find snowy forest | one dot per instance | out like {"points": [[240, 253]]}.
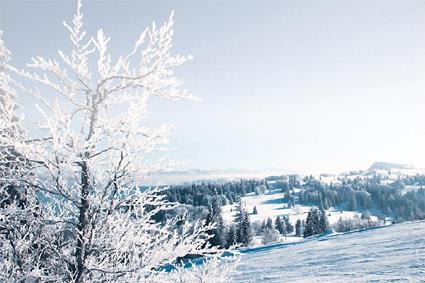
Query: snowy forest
{"points": [[388, 200]]}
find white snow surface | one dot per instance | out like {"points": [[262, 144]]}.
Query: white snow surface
{"points": [[271, 205], [393, 253]]}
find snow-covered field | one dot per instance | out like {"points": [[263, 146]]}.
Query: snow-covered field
{"points": [[268, 205], [271, 205], [391, 254]]}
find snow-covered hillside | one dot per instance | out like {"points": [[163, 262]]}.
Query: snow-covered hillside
{"points": [[390, 254], [272, 204]]}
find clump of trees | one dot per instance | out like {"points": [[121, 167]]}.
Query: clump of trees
{"points": [[355, 223], [367, 193], [203, 193], [239, 233], [316, 223]]}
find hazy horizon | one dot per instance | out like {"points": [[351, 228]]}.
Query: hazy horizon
{"points": [[308, 86]]}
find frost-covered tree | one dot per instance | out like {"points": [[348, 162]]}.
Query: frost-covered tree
{"points": [[355, 223], [10, 129], [21, 243], [87, 220], [270, 235]]}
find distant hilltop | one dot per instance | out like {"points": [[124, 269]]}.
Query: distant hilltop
{"points": [[388, 166]]}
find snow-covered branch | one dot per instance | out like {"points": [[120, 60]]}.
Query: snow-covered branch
{"points": [[75, 183]]}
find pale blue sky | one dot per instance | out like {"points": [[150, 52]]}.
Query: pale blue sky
{"points": [[302, 85]]}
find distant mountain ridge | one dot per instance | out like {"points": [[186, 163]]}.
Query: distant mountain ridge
{"points": [[175, 177], [380, 165]]}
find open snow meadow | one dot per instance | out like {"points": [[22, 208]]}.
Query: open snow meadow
{"points": [[393, 253], [271, 204]]}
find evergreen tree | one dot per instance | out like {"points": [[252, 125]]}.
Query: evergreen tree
{"points": [[312, 225], [214, 217], [298, 228], [254, 211], [263, 226], [246, 230], [317, 222], [289, 228], [269, 223], [231, 239], [309, 227], [243, 225], [323, 221], [280, 225]]}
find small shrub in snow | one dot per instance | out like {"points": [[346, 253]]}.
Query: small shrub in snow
{"points": [[270, 235]]}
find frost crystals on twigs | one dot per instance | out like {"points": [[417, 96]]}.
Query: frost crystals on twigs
{"points": [[70, 205]]}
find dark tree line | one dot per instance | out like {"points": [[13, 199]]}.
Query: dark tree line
{"points": [[363, 194], [202, 194]]}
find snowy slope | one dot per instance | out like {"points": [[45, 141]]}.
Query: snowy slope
{"points": [[391, 254], [272, 205]]}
